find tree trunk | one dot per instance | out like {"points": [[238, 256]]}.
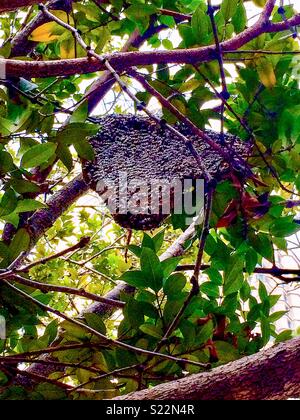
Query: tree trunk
{"points": [[273, 374]]}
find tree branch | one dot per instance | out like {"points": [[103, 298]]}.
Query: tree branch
{"points": [[279, 273], [20, 44], [45, 288], [10, 5], [273, 374], [43, 219], [125, 60]]}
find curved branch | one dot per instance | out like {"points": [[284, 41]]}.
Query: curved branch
{"points": [[125, 60], [45, 288]]}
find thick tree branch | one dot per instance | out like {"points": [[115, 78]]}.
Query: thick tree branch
{"points": [[125, 60], [273, 374], [9, 5]]}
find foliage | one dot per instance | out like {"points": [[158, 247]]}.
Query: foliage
{"points": [[41, 147]]}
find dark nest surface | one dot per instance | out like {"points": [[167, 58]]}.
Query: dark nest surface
{"points": [[143, 150]]}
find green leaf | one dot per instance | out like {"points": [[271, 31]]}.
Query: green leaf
{"points": [[200, 24], [265, 330], [6, 127], [168, 266], [138, 12], [8, 203], [148, 242], [84, 149], [275, 316], [104, 36], [133, 313], [29, 205], [172, 307], [38, 154], [214, 275], [187, 35], [76, 132], [168, 20], [50, 392], [263, 245], [4, 250], [239, 19], [228, 8], [245, 291], [191, 368], [64, 154], [233, 275], [51, 331], [284, 336], [273, 299], [151, 268], [284, 227], [154, 242], [158, 240], [6, 162], [262, 291], [251, 260], [226, 352], [229, 304], [174, 284], [135, 279], [205, 333], [254, 313], [210, 289], [3, 379], [136, 250], [163, 72], [22, 186], [95, 321], [13, 219], [152, 330], [210, 245], [19, 244], [80, 114]]}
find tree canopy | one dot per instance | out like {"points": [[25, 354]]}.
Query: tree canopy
{"points": [[95, 311]]}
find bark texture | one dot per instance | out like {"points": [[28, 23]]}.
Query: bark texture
{"points": [[273, 374]]}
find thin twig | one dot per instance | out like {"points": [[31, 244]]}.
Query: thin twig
{"points": [[11, 277], [80, 245]]}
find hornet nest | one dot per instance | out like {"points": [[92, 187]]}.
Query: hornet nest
{"points": [[138, 148]]}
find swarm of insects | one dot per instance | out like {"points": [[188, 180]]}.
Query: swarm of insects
{"points": [[131, 148]]}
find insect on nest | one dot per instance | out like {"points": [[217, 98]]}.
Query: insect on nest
{"points": [[133, 153]]}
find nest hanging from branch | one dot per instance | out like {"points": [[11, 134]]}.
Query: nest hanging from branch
{"points": [[137, 148]]}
